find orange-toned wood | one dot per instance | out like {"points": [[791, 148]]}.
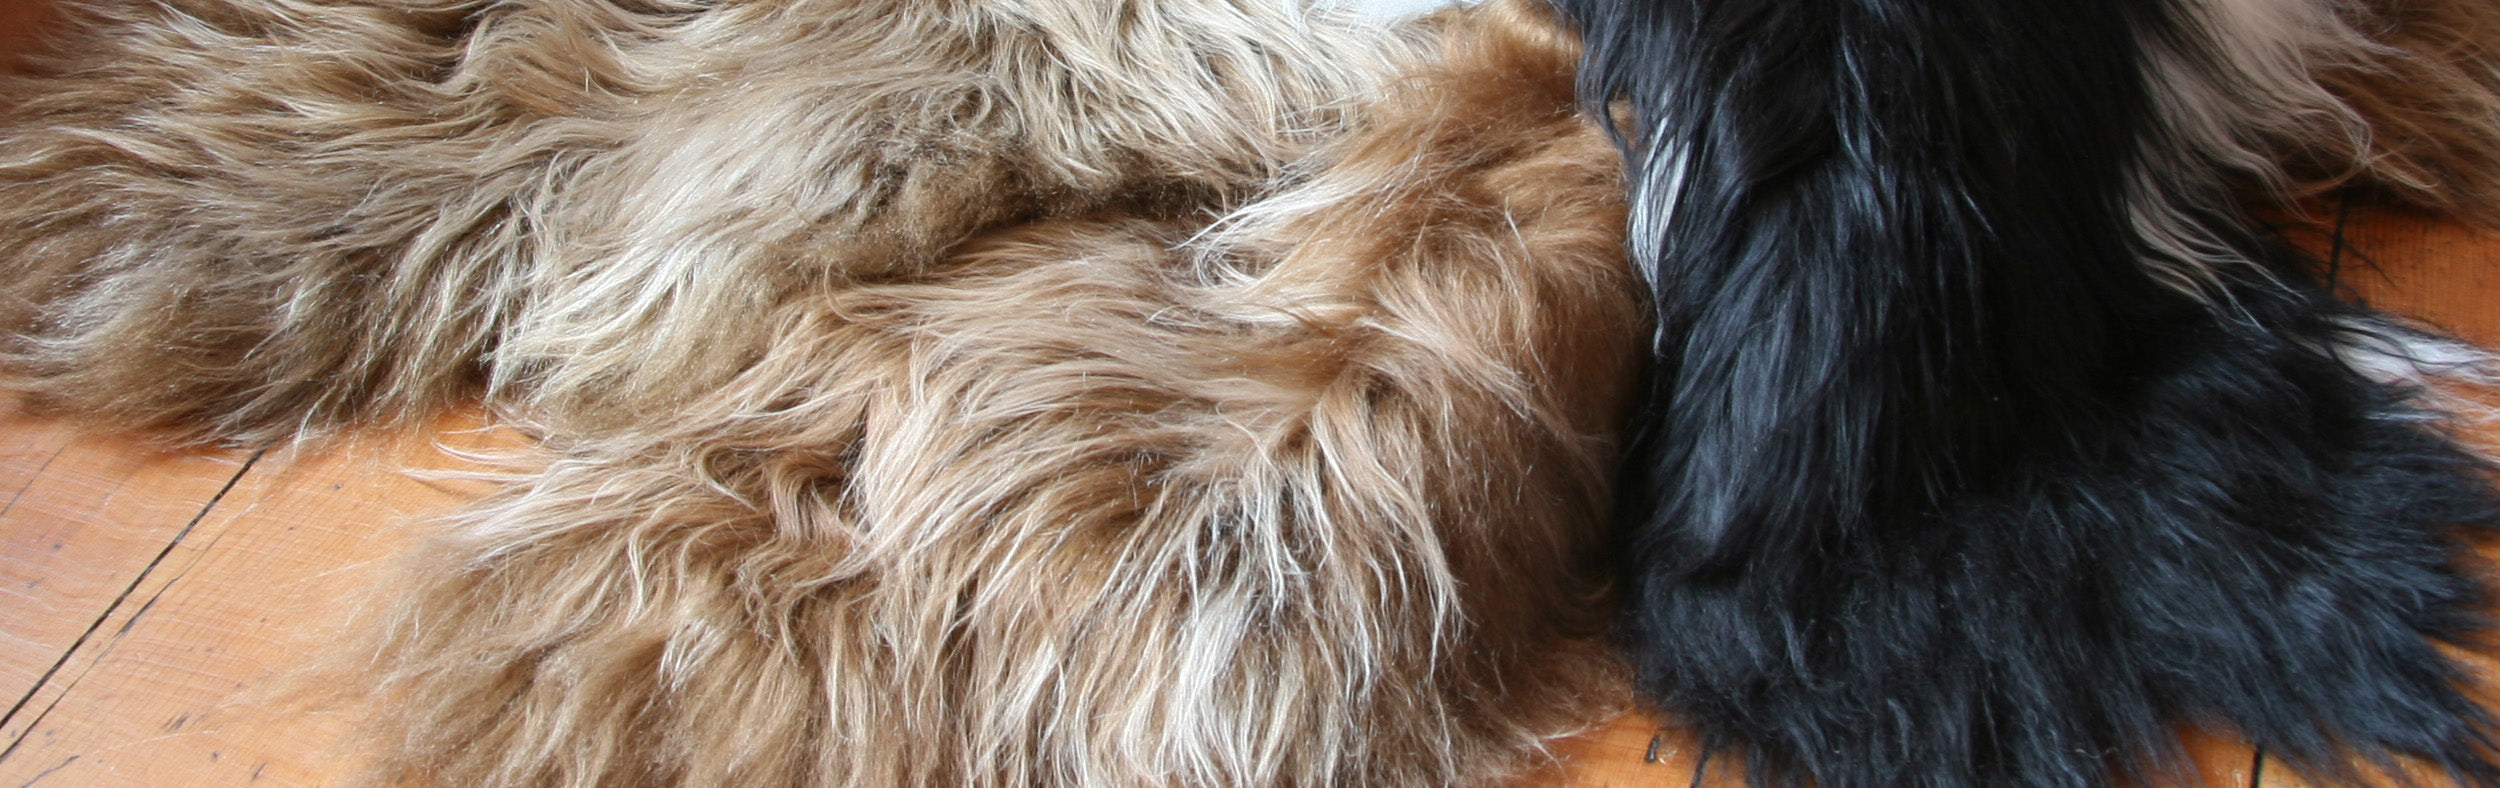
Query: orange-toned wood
{"points": [[2442, 272], [191, 682], [1634, 751], [189, 635], [84, 519], [153, 607], [1638, 751]]}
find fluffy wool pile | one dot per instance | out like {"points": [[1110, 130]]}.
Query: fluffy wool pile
{"points": [[1234, 393], [1196, 393], [1988, 444]]}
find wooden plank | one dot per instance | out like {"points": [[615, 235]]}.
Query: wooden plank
{"points": [[84, 518], [155, 697], [1638, 751], [2439, 271], [1635, 751], [192, 685]]}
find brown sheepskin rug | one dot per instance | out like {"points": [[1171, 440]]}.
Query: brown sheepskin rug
{"points": [[2423, 84], [1189, 393], [1306, 497], [1017, 393], [334, 214]]}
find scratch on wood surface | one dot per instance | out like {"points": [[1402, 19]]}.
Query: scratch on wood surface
{"points": [[30, 782], [76, 645], [30, 483]]}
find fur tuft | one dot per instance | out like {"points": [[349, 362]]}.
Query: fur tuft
{"points": [[247, 221], [2428, 89], [810, 147], [1315, 499], [1986, 446], [911, 416], [324, 215]]}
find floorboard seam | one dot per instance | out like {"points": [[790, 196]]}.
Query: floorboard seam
{"points": [[98, 623], [30, 480], [48, 772]]}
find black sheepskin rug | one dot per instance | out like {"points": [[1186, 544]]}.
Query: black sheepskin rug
{"points": [[1985, 447]]}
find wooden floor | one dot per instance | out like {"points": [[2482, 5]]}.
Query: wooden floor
{"points": [[156, 609], [154, 606]]}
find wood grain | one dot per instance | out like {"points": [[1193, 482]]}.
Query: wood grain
{"points": [[2443, 273], [194, 682], [84, 520], [184, 588], [155, 607]]}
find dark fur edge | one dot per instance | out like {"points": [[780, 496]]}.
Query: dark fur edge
{"points": [[1999, 511]]}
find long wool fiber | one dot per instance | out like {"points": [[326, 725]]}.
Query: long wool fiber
{"points": [[1987, 444], [1310, 500], [248, 220], [1093, 393], [922, 404]]}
